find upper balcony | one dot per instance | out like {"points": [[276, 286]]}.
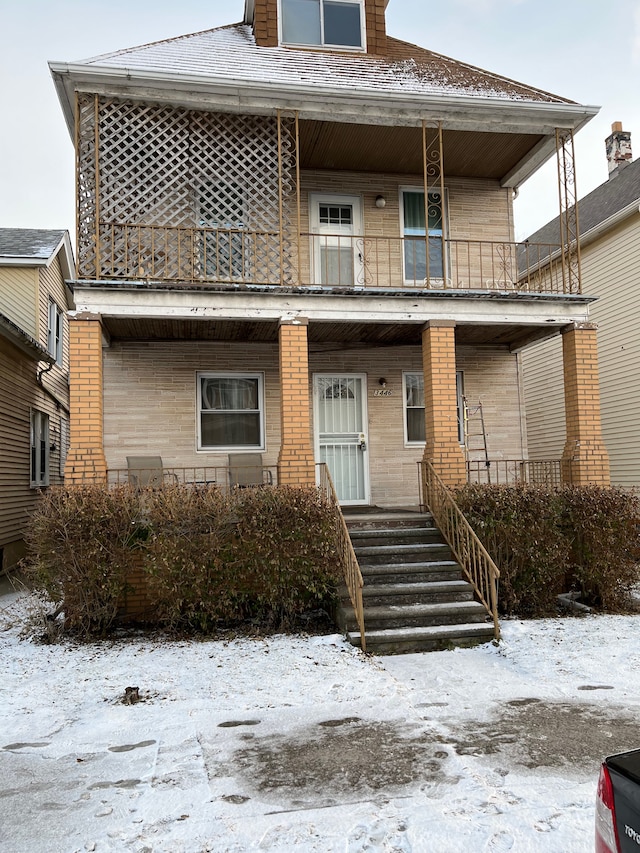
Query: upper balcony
{"points": [[184, 197]]}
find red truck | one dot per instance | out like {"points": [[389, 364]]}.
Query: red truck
{"points": [[618, 804]]}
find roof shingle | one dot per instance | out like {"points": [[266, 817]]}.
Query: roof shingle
{"points": [[29, 243], [231, 53]]}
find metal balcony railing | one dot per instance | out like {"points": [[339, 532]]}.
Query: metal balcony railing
{"points": [[241, 256], [534, 472]]}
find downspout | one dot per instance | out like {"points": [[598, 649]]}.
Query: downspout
{"points": [[49, 393]]}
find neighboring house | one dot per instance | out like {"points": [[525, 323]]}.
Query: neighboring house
{"points": [[295, 239], [34, 374], [610, 260]]}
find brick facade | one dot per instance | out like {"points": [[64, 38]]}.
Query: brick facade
{"points": [[376, 27], [442, 447], [85, 460], [296, 465], [585, 457]]}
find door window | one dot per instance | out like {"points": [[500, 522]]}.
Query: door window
{"points": [[337, 259]]}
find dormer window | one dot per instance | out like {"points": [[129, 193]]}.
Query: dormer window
{"points": [[325, 23]]}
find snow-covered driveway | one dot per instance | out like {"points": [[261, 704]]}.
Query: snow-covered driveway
{"points": [[305, 744]]}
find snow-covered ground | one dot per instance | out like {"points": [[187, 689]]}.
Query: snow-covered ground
{"points": [[286, 744]]}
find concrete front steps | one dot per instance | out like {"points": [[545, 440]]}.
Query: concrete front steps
{"points": [[415, 596]]}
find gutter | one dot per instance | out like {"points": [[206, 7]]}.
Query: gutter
{"points": [[25, 343], [246, 92]]}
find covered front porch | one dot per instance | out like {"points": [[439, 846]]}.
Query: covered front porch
{"points": [[371, 395]]}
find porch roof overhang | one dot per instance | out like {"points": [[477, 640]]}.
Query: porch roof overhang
{"points": [[507, 140], [143, 311]]}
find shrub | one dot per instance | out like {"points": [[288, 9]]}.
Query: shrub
{"points": [[602, 528], [208, 558], [80, 542], [546, 541]]}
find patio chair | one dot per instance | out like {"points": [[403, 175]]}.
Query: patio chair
{"points": [[246, 469], [145, 470]]}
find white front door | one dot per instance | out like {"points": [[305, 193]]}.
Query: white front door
{"points": [[337, 259], [341, 433]]}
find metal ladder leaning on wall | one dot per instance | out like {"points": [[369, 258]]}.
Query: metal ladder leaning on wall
{"points": [[475, 434]]}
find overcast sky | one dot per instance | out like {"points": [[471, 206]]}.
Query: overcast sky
{"points": [[585, 50]]}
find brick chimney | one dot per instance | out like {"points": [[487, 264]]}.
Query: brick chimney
{"points": [[618, 147]]}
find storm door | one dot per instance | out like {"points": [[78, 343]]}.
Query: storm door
{"points": [[341, 433]]}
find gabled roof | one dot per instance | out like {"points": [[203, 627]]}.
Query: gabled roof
{"points": [[601, 208], [231, 52], [36, 247]]}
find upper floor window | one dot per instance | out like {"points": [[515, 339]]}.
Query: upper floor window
{"points": [[54, 332], [417, 267], [226, 247], [326, 23]]}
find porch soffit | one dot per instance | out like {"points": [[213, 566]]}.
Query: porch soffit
{"points": [[377, 148], [322, 336]]}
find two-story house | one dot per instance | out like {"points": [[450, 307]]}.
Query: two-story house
{"points": [[34, 374], [295, 239]]}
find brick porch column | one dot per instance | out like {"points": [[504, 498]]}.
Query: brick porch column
{"points": [[296, 465], [585, 458], [85, 459], [442, 446]]}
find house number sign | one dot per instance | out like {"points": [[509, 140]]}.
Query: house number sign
{"points": [[383, 392]]}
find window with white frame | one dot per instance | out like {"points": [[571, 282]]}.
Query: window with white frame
{"points": [[230, 411], [413, 398], [221, 211], [39, 448], [325, 23], [54, 332], [413, 217]]}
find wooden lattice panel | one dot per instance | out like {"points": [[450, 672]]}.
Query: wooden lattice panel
{"points": [[86, 162], [184, 195]]}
